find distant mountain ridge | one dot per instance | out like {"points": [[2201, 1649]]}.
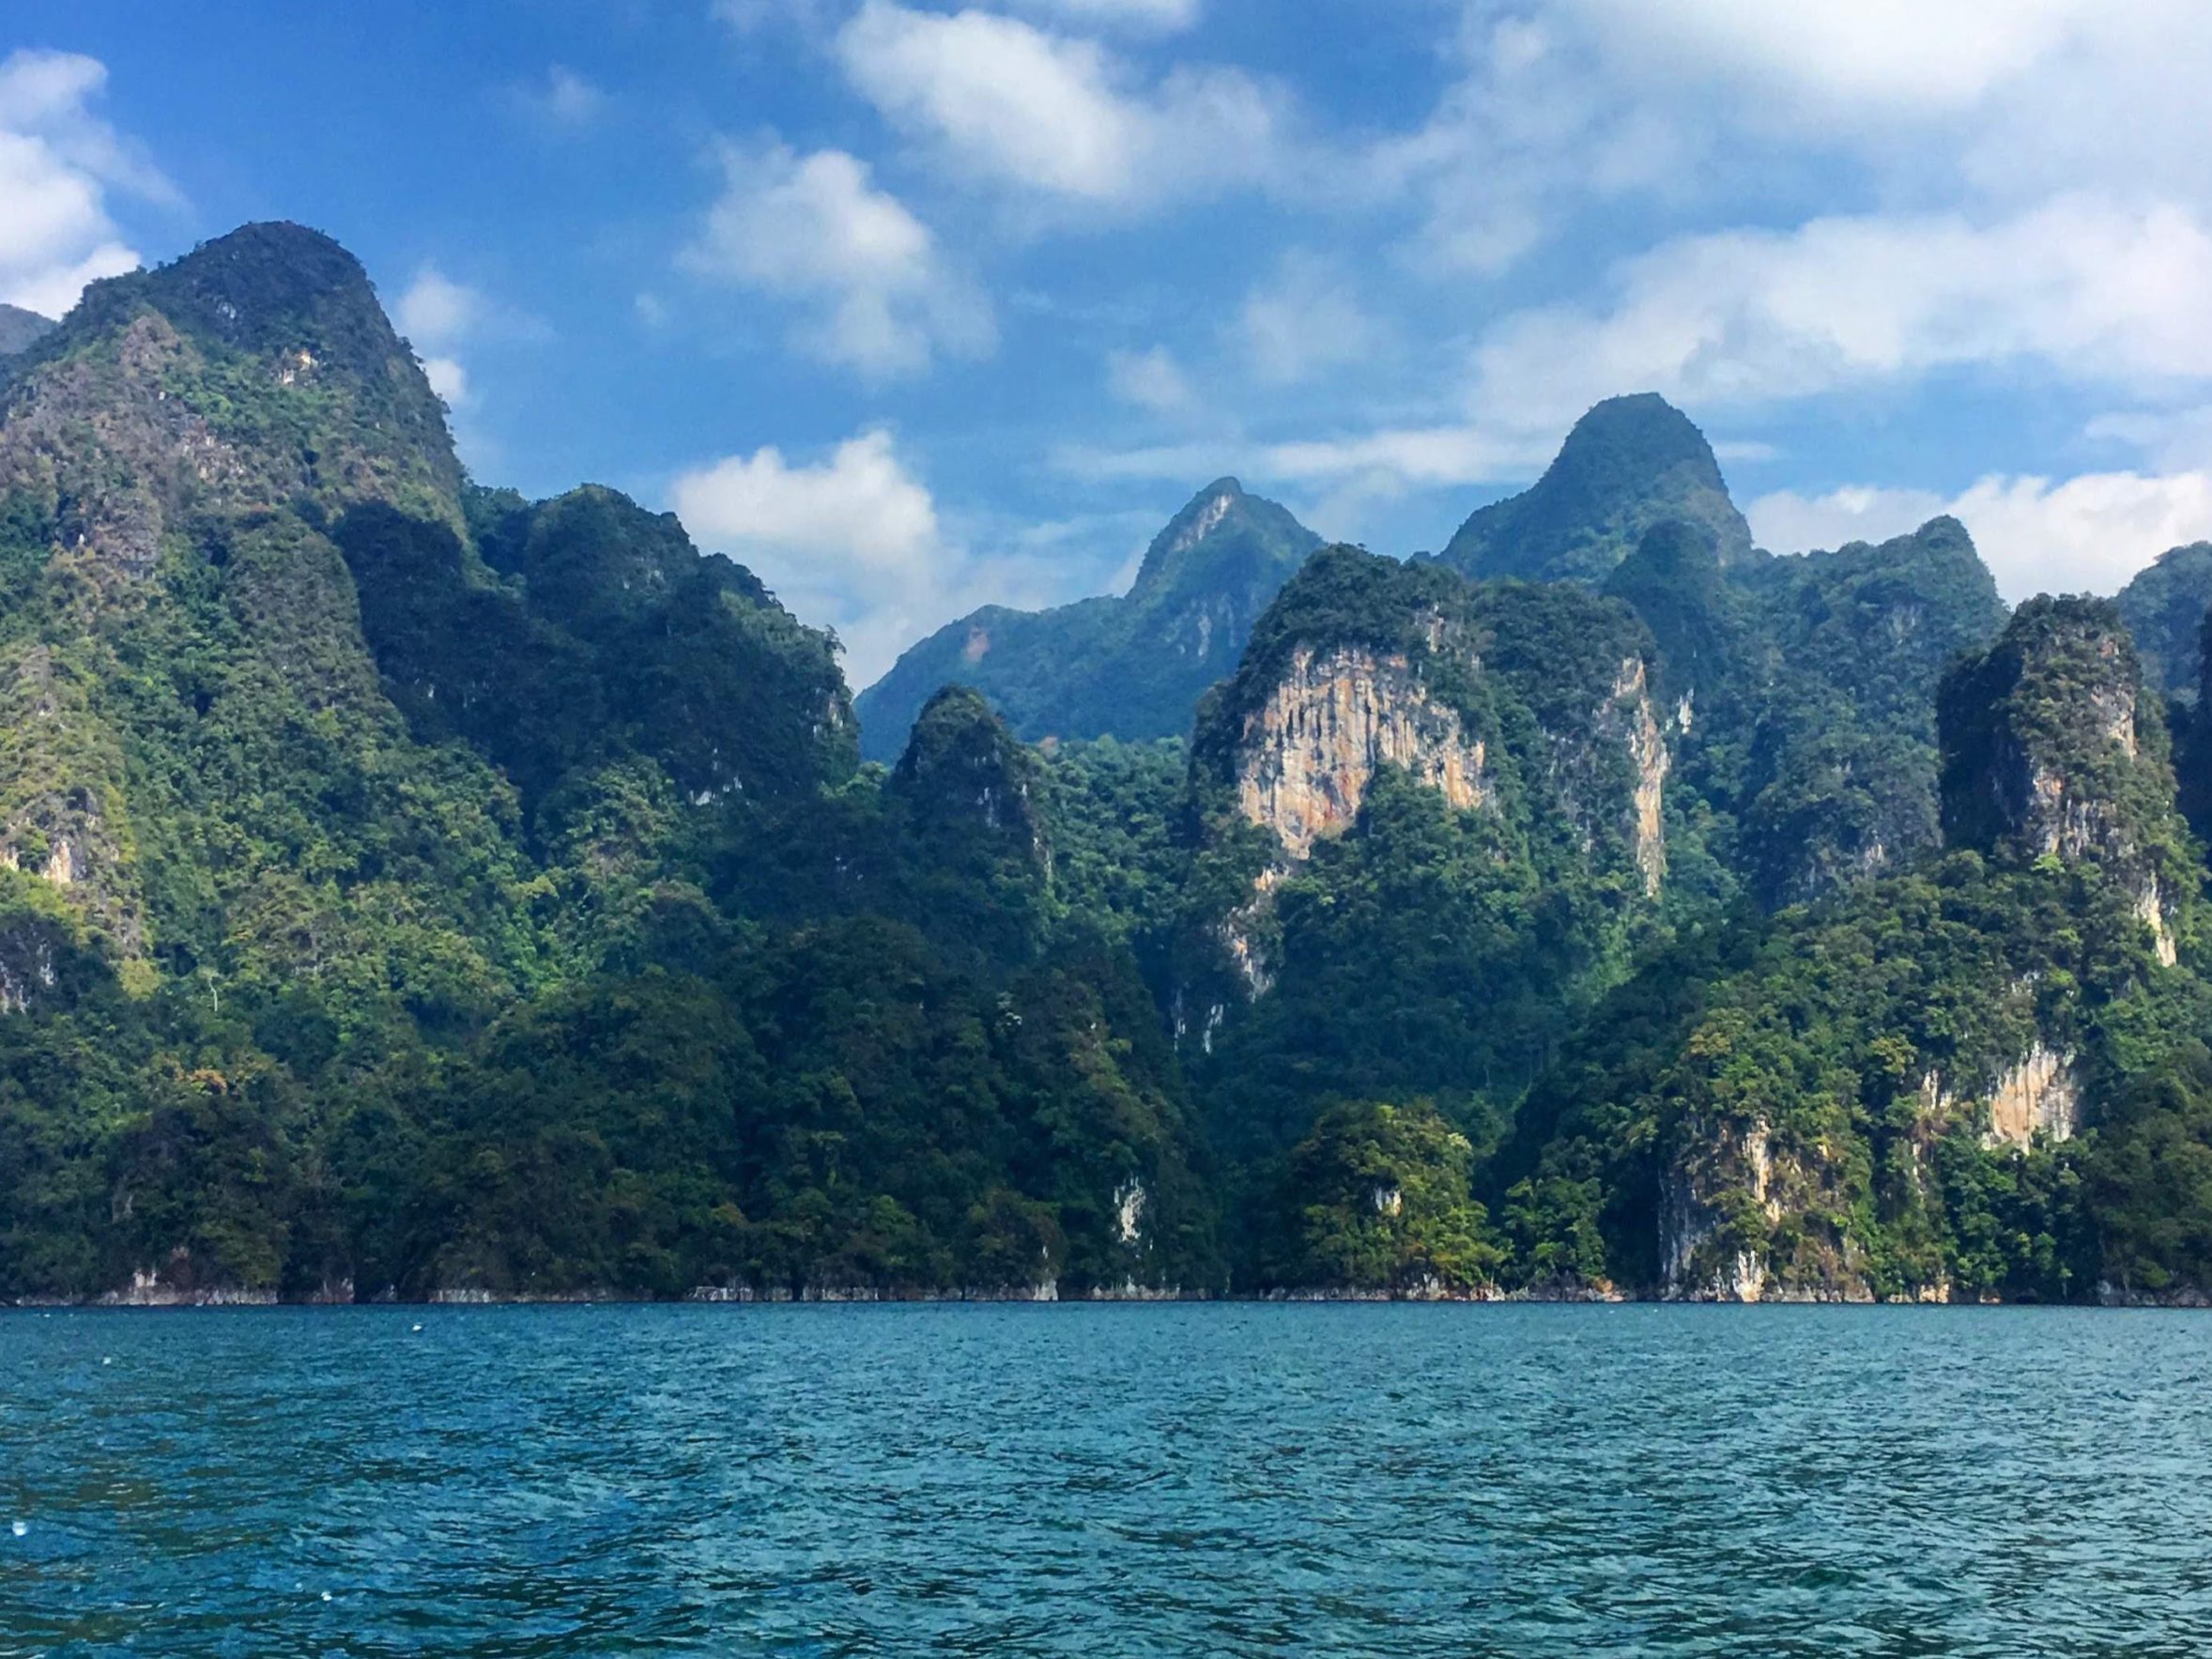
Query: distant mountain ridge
{"points": [[20, 329], [2164, 604], [1129, 667]]}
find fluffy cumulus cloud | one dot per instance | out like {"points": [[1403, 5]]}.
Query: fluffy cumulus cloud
{"points": [[562, 99], [59, 165], [1160, 15], [2084, 287], [1816, 59], [1005, 102], [852, 540], [1306, 321], [439, 316], [816, 229], [1150, 380], [2084, 534]]}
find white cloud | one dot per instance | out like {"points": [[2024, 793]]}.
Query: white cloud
{"points": [[1157, 15], [1530, 127], [447, 378], [1305, 322], [854, 540], [438, 315], [1820, 58], [436, 312], [1014, 105], [562, 98], [2084, 534], [815, 228], [58, 163], [1385, 462], [1149, 379], [2093, 290], [1988, 104]]}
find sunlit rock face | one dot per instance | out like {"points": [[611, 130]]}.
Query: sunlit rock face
{"points": [[2037, 1097], [1311, 749], [1530, 712], [2052, 750]]}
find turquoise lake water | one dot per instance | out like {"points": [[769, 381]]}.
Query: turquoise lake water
{"points": [[1106, 1480]]}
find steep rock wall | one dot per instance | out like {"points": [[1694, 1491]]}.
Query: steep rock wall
{"points": [[1311, 749]]}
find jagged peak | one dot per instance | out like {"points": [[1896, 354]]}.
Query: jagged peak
{"points": [[2049, 746], [961, 764], [1222, 506], [1943, 527]]}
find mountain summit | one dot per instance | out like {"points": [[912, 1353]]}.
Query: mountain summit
{"points": [[1629, 464], [1131, 667]]}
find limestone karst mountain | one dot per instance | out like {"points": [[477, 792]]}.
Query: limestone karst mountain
{"points": [[1941, 1084], [1129, 667], [406, 888], [1630, 464], [1415, 793], [409, 888]]}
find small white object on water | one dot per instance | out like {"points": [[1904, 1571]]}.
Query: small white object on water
{"points": [[326, 1595], [107, 1358], [418, 1328], [19, 1528]]}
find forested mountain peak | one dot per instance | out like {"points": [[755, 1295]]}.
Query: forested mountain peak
{"points": [[1128, 668], [406, 887], [1630, 462], [962, 770], [1220, 528]]}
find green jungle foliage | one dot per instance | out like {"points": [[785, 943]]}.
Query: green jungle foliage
{"points": [[408, 889], [1375, 1198], [2164, 605], [1629, 465]]}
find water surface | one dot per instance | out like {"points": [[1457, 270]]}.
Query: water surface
{"points": [[1105, 1480]]}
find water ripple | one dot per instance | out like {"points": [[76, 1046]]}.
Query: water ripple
{"points": [[514, 1483]]}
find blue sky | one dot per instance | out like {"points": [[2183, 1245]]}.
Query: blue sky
{"points": [[913, 307]]}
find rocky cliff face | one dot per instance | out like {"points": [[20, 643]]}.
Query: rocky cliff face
{"points": [[1309, 752], [2038, 1097], [1628, 721], [2052, 750], [1741, 1219]]}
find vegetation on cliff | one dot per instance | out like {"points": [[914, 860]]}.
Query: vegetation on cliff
{"points": [[406, 888]]}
